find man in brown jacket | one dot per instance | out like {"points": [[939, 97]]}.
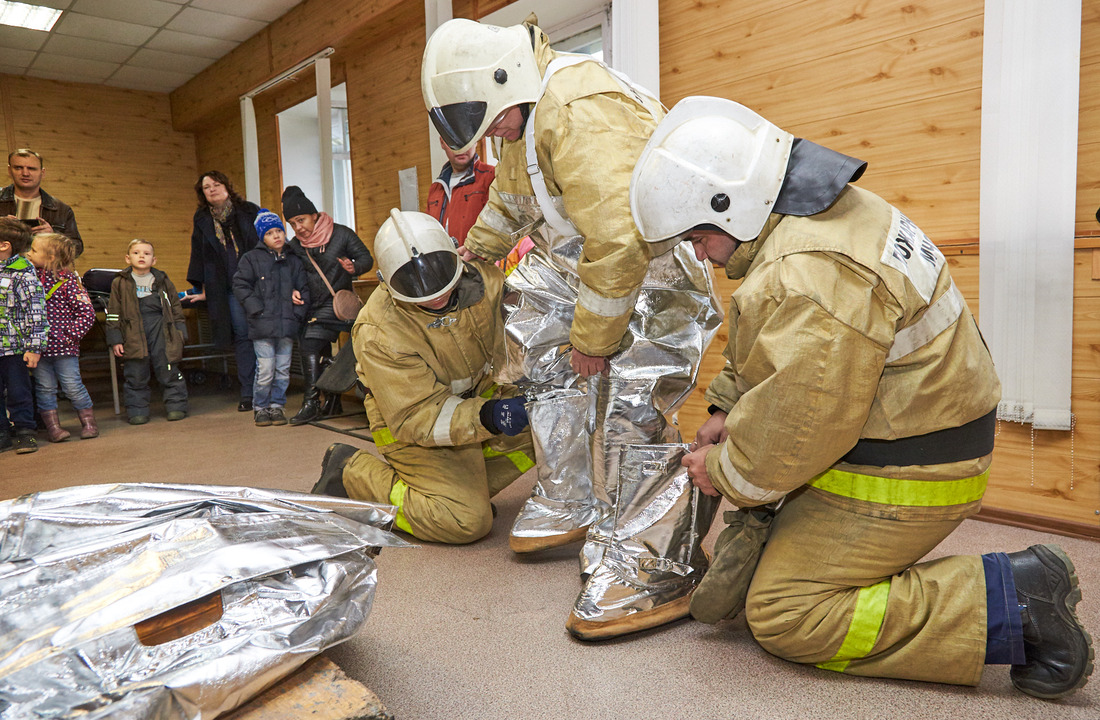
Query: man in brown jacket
{"points": [[858, 404], [25, 168]]}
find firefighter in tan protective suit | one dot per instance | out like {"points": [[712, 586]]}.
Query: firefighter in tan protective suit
{"points": [[604, 331], [858, 392], [425, 345]]}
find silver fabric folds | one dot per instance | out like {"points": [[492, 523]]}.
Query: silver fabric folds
{"points": [[676, 315], [80, 567], [651, 551]]}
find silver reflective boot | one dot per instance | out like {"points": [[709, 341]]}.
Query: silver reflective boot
{"points": [[621, 412], [562, 504], [652, 561]]}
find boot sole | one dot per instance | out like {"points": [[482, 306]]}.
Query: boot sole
{"points": [[589, 630], [524, 545], [1072, 598]]}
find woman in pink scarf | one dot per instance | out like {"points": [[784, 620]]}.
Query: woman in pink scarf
{"points": [[341, 256]]}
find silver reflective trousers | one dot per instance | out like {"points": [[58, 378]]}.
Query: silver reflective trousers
{"points": [[580, 428], [80, 567]]}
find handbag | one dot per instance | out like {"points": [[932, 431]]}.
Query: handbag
{"points": [[345, 303]]}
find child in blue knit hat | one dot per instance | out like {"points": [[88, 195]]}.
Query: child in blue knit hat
{"points": [[271, 286]]}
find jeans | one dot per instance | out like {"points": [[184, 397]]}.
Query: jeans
{"points": [[242, 347], [272, 372], [63, 369]]}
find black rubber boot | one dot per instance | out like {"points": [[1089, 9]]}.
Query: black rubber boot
{"points": [[311, 400], [331, 482], [1057, 650]]}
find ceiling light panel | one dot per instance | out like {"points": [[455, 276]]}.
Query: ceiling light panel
{"points": [[24, 15]]}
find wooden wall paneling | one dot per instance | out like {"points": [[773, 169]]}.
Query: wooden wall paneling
{"points": [[220, 146], [315, 24], [1047, 491], [113, 156], [941, 199], [937, 130], [220, 86], [736, 45], [389, 126]]}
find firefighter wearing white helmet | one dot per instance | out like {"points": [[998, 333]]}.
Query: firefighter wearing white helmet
{"points": [[581, 323], [425, 347], [857, 391]]}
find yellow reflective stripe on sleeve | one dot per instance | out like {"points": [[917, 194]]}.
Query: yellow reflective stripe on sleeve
{"points": [[397, 499], [863, 630], [382, 436], [489, 392], [520, 459], [894, 491]]}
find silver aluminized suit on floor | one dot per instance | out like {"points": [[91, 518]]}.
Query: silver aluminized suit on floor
{"points": [[848, 330], [592, 282]]}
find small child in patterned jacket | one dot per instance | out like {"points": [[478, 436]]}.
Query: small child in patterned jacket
{"points": [[23, 333], [71, 315]]}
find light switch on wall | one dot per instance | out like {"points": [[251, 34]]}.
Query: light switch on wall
{"points": [[410, 193]]}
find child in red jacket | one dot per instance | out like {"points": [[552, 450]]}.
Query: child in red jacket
{"points": [[70, 314]]}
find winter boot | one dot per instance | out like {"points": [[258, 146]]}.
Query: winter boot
{"points": [[331, 482], [652, 561], [25, 441], [311, 399], [88, 427], [562, 505], [54, 432], [1058, 651]]}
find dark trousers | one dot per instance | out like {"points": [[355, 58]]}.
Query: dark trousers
{"points": [[15, 394], [242, 347], [136, 372]]}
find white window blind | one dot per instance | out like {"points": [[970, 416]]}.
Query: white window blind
{"points": [[1030, 90]]}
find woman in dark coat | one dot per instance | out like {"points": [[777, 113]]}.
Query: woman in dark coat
{"points": [[223, 231], [342, 257]]}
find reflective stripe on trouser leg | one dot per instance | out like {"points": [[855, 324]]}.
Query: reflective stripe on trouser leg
{"points": [[864, 627], [653, 555], [397, 499], [820, 557], [441, 492]]}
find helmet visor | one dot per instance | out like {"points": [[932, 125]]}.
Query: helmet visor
{"points": [[458, 123], [425, 275]]}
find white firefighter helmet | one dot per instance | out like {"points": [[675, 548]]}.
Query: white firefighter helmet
{"points": [[710, 162], [416, 257], [473, 72]]}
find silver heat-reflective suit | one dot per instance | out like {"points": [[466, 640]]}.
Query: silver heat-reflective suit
{"points": [[607, 449]]}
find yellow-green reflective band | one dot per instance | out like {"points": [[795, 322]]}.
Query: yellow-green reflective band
{"points": [[382, 436], [489, 392], [863, 630], [893, 491], [518, 458], [397, 499]]}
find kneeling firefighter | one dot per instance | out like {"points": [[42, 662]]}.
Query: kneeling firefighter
{"points": [[426, 344], [604, 331], [857, 391]]}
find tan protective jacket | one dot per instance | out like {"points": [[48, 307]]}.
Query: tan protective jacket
{"points": [[589, 135], [847, 325], [428, 375]]}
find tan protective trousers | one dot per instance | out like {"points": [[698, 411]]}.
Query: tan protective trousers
{"points": [[839, 589], [442, 493]]}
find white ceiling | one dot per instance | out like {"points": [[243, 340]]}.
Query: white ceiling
{"points": [[154, 45]]}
